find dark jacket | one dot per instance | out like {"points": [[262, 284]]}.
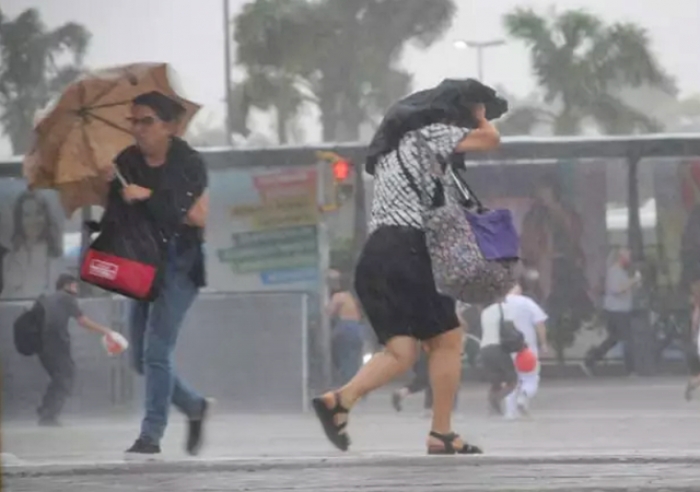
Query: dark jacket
{"points": [[449, 102], [150, 226]]}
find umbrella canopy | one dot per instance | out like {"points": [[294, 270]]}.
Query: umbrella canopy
{"points": [[450, 101], [76, 142]]}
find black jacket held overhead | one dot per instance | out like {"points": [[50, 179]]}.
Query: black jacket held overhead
{"points": [[143, 230], [449, 102]]}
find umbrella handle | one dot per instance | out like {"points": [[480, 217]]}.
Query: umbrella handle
{"points": [[120, 177]]}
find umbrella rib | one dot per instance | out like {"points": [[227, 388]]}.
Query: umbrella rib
{"points": [[87, 143], [105, 92], [107, 122], [109, 105]]}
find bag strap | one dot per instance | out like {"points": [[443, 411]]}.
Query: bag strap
{"points": [[448, 165], [502, 320], [413, 184], [463, 186]]}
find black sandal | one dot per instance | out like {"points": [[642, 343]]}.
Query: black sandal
{"points": [[448, 442], [334, 432]]}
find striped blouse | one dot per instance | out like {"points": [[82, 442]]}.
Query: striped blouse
{"points": [[395, 202]]}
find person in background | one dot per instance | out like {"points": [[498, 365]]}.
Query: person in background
{"points": [[620, 283], [55, 356], [693, 350], [551, 244], [528, 318], [35, 243], [166, 200], [497, 364], [348, 332], [690, 282]]}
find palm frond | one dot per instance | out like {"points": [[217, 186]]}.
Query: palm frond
{"points": [[629, 59], [532, 29], [576, 27], [72, 38], [617, 118]]}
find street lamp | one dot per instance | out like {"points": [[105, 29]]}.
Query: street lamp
{"points": [[479, 46], [227, 70]]}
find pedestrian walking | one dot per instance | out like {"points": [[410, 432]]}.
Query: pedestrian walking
{"points": [[620, 283], [55, 354], [529, 319], [160, 190], [395, 285]]}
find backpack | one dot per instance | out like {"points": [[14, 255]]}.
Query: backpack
{"points": [[512, 340], [28, 330]]}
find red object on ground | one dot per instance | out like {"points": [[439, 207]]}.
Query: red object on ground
{"points": [[526, 361]]}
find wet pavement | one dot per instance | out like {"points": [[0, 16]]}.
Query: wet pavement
{"points": [[594, 435]]}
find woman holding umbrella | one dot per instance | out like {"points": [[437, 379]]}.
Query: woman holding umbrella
{"points": [[154, 194], [166, 191]]}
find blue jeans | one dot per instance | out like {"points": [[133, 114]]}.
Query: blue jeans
{"points": [[154, 329], [347, 344]]}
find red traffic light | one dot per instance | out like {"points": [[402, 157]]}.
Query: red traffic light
{"points": [[341, 170]]}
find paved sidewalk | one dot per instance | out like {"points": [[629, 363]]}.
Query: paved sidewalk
{"points": [[622, 434], [387, 474]]}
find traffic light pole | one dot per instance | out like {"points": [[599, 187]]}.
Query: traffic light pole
{"points": [[324, 260]]}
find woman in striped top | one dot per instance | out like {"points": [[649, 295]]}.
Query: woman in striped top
{"points": [[395, 284]]}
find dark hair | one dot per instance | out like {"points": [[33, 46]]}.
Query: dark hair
{"points": [[64, 280], [50, 234], [165, 108]]}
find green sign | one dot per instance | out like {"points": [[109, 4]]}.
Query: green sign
{"points": [[276, 249]]}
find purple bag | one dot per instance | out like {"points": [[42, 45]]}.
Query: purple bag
{"points": [[495, 234], [472, 253]]}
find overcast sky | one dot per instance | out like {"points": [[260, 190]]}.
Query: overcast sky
{"points": [[189, 35]]}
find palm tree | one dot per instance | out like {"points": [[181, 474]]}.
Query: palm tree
{"points": [[267, 89], [269, 36], [31, 72], [582, 65], [341, 55]]}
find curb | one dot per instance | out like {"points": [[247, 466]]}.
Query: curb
{"points": [[364, 461]]}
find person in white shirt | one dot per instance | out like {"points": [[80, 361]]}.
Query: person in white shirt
{"points": [[528, 318], [496, 362], [517, 389]]}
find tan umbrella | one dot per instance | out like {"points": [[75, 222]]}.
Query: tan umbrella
{"points": [[76, 142]]}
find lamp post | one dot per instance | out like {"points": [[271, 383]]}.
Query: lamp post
{"points": [[227, 71], [479, 46]]}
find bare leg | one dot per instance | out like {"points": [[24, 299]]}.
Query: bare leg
{"points": [[398, 356], [444, 365]]}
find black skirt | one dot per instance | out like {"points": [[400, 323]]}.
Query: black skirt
{"points": [[394, 283]]}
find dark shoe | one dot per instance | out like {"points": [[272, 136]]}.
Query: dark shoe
{"points": [[448, 445], [335, 432], [195, 429], [143, 449]]}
